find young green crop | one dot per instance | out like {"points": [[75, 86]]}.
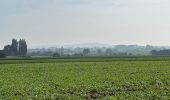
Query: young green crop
{"points": [[85, 79]]}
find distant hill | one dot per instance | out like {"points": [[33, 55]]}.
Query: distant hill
{"points": [[100, 45], [87, 45]]}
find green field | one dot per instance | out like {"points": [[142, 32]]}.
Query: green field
{"points": [[86, 78]]}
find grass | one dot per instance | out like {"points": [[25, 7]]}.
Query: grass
{"points": [[87, 78]]}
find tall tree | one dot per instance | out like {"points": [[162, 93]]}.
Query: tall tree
{"points": [[14, 47], [22, 47]]}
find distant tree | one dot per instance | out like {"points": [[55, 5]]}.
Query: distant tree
{"points": [[149, 47], [2, 54], [86, 51], [61, 51], [56, 55], [47, 53], [161, 52], [99, 51], [77, 55], [22, 47], [154, 52], [122, 54], [108, 51], [14, 47], [130, 54], [7, 50]]}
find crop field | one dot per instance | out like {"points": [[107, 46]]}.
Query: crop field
{"points": [[86, 78]]}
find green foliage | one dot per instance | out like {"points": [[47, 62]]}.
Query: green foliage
{"points": [[91, 78], [22, 47], [16, 48]]}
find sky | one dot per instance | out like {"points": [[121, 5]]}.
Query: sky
{"points": [[53, 22]]}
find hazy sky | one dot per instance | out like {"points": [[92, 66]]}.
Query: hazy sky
{"points": [[43, 22]]}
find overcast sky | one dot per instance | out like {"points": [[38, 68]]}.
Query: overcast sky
{"points": [[50, 22]]}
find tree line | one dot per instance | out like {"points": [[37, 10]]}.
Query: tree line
{"points": [[161, 52], [16, 48]]}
